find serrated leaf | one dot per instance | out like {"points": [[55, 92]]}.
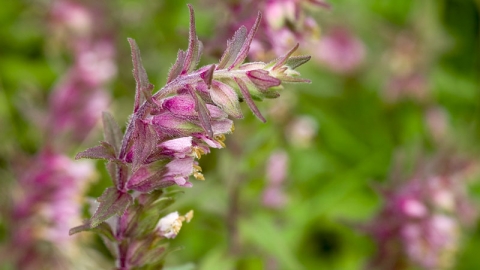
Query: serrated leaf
{"points": [[226, 98], [242, 54], [112, 202], [248, 99], [233, 48], [143, 87], [97, 152], [203, 112], [177, 68], [111, 132]]}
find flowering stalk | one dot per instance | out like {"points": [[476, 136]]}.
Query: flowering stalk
{"points": [[286, 22], [421, 222], [167, 132], [46, 198]]}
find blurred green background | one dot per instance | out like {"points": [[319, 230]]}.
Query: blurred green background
{"points": [[357, 126]]}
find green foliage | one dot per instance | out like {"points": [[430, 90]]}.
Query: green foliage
{"points": [[329, 182]]}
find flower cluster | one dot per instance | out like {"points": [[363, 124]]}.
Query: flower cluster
{"points": [[421, 222], [168, 132], [286, 22], [80, 95], [340, 51], [46, 200], [47, 206]]}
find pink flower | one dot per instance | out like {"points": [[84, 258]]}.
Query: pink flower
{"points": [[273, 195], [340, 51], [421, 222]]}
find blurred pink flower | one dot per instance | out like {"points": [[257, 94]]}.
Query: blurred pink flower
{"points": [[421, 222], [301, 131], [436, 120], [406, 63], [80, 95], [273, 195], [285, 23], [48, 203], [340, 51]]}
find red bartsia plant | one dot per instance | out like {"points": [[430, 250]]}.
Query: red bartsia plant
{"points": [[421, 222], [167, 132]]}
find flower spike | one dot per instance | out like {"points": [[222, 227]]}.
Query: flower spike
{"points": [[169, 131]]}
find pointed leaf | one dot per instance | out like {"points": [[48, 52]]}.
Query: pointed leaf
{"points": [[105, 230], [296, 61], [207, 76], [97, 152], [148, 251], [154, 254], [246, 45], [177, 68], [233, 48], [81, 228], [292, 79], [281, 61], [203, 113], [271, 94], [226, 98], [112, 202], [194, 46], [143, 86], [111, 131], [248, 98]]}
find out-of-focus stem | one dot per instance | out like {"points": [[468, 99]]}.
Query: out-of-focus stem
{"points": [[232, 218]]}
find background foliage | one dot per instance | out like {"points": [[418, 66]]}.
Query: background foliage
{"points": [[358, 129]]}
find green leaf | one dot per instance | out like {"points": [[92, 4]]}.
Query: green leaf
{"points": [[149, 251], [112, 202], [104, 151]]}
